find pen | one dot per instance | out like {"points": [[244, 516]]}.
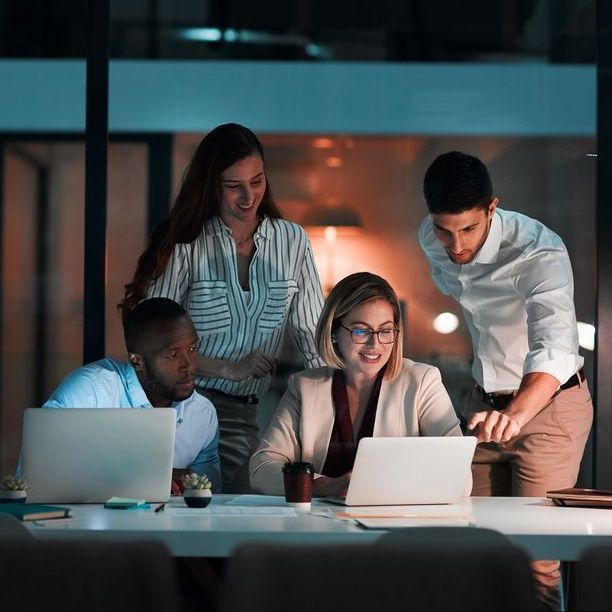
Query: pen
{"points": [[160, 508]]}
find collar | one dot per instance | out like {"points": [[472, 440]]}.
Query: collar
{"points": [[490, 249], [136, 393], [139, 398], [216, 227]]}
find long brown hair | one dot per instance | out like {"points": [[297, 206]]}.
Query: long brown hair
{"points": [[197, 202]]}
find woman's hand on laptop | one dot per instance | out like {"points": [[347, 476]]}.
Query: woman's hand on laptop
{"points": [[325, 486]]}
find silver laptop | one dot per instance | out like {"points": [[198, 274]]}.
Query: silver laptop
{"points": [[86, 455], [414, 470]]}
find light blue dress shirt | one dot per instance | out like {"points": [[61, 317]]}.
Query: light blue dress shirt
{"points": [[114, 384]]}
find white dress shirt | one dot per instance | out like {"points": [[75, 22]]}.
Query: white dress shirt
{"points": [[517, 297], [284, 292]]}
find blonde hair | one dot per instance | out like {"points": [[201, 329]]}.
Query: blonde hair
{"points": [[349, 293]]}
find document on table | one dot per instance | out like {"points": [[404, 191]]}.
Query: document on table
{"points": [[386, 523], [257, 500], [386, 517], [229, 511]]}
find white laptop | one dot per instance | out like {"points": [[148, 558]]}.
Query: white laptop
{"points": [[87, 455], [414, 470]]}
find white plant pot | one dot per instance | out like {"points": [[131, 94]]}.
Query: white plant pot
{"points": [[8, 497], [197, 498]]}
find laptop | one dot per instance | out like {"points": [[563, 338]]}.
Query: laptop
{"points": [[87, 455], [405, 471]]}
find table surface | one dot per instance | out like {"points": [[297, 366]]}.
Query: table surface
{"points": [[544, 530]]}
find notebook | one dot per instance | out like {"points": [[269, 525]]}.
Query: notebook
{"points": [[86, 455], [35, 512], [406, 471], [590, 498]]}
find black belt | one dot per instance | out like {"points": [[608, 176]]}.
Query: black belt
{"points": [[500, 401], [242, 399]]}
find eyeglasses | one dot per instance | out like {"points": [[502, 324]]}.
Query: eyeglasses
{"points": [[359, 335]]}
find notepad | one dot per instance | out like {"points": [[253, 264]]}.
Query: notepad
{"points": [[590, 498], [125, 503], [35, 512]]}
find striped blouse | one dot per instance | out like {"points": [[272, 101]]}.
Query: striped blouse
{"points": [[285, 290]]}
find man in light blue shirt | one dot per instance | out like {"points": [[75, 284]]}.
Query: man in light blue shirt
{"points": [[162, 347]]}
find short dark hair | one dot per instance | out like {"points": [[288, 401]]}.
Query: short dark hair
{"points": [[137, 322], [456, 182]]}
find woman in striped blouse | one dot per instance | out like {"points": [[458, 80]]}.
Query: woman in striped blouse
{"points": [[244, 275]]}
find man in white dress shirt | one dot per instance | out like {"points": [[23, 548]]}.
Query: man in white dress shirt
{"points": [[530, 406]]}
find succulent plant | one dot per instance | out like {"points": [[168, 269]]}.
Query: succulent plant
{"points": [[196, 482], [13, 483]]}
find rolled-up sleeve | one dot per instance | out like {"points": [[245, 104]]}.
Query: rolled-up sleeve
{"points": [[545, 281]]}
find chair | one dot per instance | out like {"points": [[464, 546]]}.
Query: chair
{"points": [[93, 575], [13, 528], [478, 569], [594, 587], [437, 570]]}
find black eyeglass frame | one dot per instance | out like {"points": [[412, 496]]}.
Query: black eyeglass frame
{"points": [[371, 333]]}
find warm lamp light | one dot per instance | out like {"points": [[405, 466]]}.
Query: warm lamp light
{"points": [[331, 218], [446, 323]]}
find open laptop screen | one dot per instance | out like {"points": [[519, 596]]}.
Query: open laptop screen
{"points": [[410, 470], [86, 455]]}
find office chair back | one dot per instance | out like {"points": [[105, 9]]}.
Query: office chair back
{"points": [[594, 587], [78, 575], [384, 576], [12, 528]]}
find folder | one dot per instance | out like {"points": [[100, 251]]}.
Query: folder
{"points": [[589, 498]]}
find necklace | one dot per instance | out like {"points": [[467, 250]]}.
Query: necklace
{"points": [[239, 242]]}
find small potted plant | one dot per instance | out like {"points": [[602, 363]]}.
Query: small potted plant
{"points": [[197, 493], [12, 490]]}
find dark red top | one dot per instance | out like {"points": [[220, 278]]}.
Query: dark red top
{"points": [[342, 445]]}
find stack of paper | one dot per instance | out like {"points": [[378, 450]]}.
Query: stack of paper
{"points": [[125, 503]]}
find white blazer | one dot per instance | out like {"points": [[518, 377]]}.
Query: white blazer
{"points": [[415, 403]]}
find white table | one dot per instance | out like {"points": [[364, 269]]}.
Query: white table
{"points": [[544, 530]]}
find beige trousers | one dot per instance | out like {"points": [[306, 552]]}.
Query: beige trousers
{"points": [[544, 455]]}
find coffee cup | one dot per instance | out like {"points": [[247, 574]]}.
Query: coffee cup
{"points": [[298, 476]]}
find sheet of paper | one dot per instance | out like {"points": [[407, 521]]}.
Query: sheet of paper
{"points": [[385, 523], [413, 513], [226, 510], [257, 500]]}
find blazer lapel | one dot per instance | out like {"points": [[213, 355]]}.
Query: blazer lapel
{"points": [[321, 405]]}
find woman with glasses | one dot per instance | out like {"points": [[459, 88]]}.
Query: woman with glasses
{"points": [[367, 389]]}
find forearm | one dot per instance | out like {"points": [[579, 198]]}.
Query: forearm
{"points": [[534, 393], [325, 485], [502, 425], [215, 368]]}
